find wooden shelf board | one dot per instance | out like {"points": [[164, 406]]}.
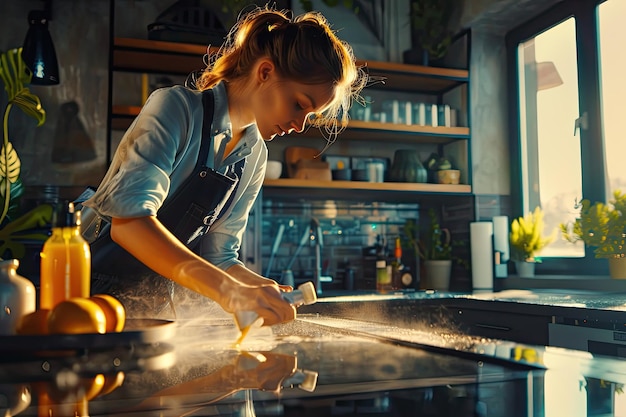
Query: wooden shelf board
{"points": [[160, 46], [288, 183], [378, 128], [416, 78]]}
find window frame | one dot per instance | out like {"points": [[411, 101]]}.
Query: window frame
{"points": [[591, 139]]}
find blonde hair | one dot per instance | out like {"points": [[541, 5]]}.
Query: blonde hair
{"points": [[304, 49]]}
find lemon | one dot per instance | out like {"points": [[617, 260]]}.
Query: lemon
{"points": [[35, 323], [113, 311], [76, 316]]}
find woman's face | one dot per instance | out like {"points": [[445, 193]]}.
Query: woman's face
{"points": [[282, 106]]}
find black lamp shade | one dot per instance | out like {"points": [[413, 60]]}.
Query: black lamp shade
{"points": [[38, 51]]}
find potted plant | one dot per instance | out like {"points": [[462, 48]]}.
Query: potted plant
{"points": [[603, 227], [430, 35], [434, 248], [527, 240], [16, 228]]}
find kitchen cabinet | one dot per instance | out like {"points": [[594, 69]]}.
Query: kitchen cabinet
{"points": [[158, 57]]}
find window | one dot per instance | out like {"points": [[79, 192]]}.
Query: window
{"points": [[569, 103], [611, 15], [548, 86]]}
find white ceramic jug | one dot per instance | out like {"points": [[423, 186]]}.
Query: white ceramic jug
{"points": [[17, 297]]}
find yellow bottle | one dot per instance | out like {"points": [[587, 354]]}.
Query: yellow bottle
{"points": [[65, 260]]}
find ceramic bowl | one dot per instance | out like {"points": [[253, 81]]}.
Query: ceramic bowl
{"points": [[360, 175], [342, 174], [448, 176], [274, 170]]}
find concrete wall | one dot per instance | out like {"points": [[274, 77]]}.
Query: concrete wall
{"points": [[79, 30]]}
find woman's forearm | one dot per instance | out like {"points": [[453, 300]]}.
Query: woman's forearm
{"points": [[151, 243]]}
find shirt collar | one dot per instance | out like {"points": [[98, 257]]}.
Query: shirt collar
{"points": [[221, 129]]}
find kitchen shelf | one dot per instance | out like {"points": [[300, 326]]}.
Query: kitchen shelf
{"points": [[122, 116], [161, 57], [139, 55], [370, 191]]}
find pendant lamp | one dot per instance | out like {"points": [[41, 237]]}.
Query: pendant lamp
{"points": [[38, 50]]}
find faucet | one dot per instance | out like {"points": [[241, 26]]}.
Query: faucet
{"points": [[317, 238], [311, 234]]}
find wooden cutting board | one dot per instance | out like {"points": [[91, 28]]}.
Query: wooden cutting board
{"points": [[305, 163]]}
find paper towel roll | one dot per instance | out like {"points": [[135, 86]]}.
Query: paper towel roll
{"points": [[481, 240], [501, 237]]}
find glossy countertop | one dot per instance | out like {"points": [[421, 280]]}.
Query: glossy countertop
{"points": [[317, 365], [592, 305], [596, 300]]}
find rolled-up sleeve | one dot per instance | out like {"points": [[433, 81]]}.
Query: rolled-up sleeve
{"points": [[140, 177]]}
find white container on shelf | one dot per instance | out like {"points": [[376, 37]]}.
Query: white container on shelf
{"points": [[273, 170]]}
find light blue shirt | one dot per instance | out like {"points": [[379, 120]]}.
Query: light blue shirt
{"points": [[158, 153]]}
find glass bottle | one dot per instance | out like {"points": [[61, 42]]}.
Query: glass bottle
{"points": [[383, 277], [65, 259], [397, 268]]}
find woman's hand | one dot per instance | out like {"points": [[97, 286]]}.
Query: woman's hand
{"points": [[264, 296]]}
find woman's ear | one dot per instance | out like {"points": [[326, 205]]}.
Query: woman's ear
{"points": [[264, 70]]}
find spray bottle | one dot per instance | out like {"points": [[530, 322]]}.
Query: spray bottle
{"points": [[305, 294]]}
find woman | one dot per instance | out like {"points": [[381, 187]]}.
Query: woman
{"points": [[273, 75]]}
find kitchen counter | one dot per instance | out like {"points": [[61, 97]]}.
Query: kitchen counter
{"points": [[317, 366], [596, 300], [583, 320], [364, 354]]}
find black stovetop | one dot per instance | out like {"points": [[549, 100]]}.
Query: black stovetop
{"points": [[319, 366]]}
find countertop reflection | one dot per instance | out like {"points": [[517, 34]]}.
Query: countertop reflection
{"points": [[318, 366]]}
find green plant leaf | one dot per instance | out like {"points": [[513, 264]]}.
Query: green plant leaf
{"points": [[600, 225], [31, 226], [31, 105], [9, 166], [16, 76]]}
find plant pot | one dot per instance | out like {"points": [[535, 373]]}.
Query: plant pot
{"points": [[437, 275], [525, 269], [415, 56], [617, 268]]}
